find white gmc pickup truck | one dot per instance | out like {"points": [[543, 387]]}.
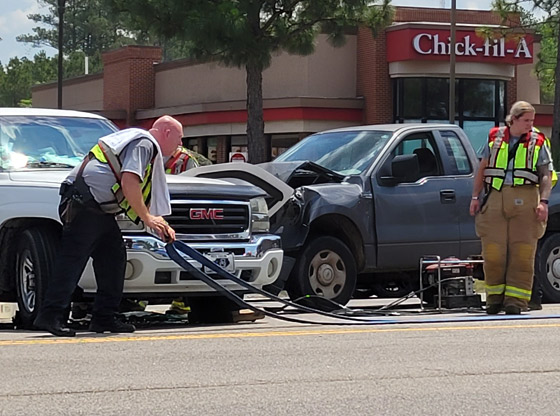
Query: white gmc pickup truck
{"points": [[228, 222]]}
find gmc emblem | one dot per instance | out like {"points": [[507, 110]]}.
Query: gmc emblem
{"points": [[206, 214]]}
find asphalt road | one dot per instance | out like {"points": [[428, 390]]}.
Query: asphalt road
{"points": [[444, 366]]}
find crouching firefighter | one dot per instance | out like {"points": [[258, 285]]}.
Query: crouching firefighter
{"points": [[515, 170], [124, 172]]}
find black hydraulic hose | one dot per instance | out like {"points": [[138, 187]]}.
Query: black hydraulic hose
{"points": [[194, 254], [173, 252]]}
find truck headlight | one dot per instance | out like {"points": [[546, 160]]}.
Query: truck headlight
{"points": [[125, 223], [259, 215]]}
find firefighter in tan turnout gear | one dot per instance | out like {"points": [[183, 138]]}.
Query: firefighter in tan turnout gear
{"points": [[515, 173]]}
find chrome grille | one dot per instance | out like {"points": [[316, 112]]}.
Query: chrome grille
{"points": [[209, 220]]}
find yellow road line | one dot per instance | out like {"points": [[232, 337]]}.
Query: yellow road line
{"points": [[294, 333]]}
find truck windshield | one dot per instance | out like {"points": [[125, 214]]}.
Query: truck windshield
{"points": [[344, 152], [44, 141]]}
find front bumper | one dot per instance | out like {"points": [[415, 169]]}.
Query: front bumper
{"points": [[150, 270]]}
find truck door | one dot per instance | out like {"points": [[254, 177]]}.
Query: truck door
{"points": [[420, 216], [460, 163]]}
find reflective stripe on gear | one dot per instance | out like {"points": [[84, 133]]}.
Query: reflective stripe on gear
{"points": [[495, 289], [146, 194], [105, 156], [519, 293], [524, 174]]}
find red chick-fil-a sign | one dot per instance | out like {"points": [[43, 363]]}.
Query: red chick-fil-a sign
{"points": [[434, 44]]}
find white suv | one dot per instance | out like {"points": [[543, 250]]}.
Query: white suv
{"points": [[226, 221]]}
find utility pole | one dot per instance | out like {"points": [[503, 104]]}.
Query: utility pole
{"points": [[452, 64], [61, 6]]}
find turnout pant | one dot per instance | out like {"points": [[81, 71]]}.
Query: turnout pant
{"points": [[509, 231], [94, 234]]}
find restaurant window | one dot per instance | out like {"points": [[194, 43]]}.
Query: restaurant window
{"points": [[239, 144], [479, 103], [212, 146]]}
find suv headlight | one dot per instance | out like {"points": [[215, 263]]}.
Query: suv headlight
{"points": [[259, 215]]}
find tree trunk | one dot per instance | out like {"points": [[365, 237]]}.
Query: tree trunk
{"points": [[555, 139], [255, 122]]}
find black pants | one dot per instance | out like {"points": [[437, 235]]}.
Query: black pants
{"points": [[94, 234]]}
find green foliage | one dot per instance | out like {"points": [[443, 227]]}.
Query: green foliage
{"points": [[247, 33], [43, 68], [74, 64], [543, 19], [547, 60], [16, 81], [241, 33], [546, 23], [88, 27], [91, 28], [244, 31], [19, 75]]}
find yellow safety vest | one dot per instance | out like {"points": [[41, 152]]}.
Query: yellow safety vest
{"points": [[117, 189], [524, 161]]}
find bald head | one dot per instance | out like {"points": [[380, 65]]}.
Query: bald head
{"points": [[168, 132]]}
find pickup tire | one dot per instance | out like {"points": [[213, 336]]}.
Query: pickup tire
{"points": [[547, 267], [324, 276], [34, 262]]}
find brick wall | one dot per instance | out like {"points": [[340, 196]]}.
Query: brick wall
{"points": [[129, 79], [482, 17], [222, 149], [511, 92], [373, 81]]}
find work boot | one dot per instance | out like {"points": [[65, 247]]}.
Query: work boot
{"points": [[115, 326], [55, 327], [493, 309], [512, 310]]}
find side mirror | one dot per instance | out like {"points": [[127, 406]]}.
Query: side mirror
{"points": [[404, 168]]}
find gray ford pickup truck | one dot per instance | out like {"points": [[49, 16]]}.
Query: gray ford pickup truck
{"points": [[361, 205]]}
